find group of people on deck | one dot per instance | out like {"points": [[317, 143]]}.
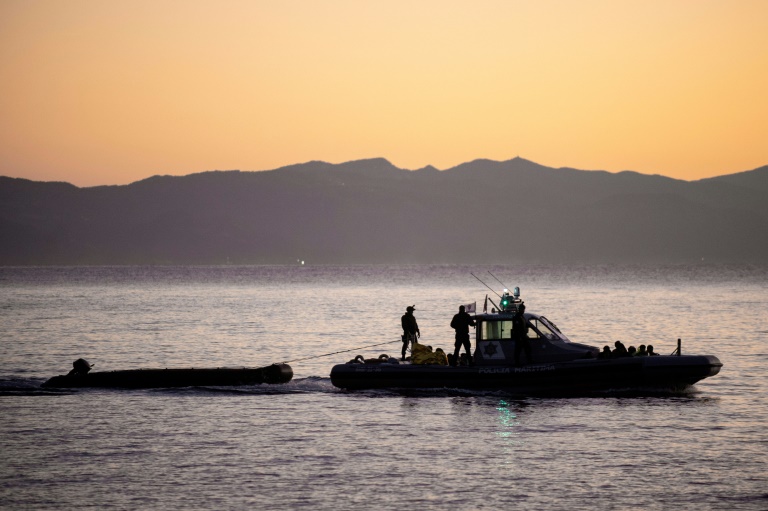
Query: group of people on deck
{"points": [[463, 320], [461, 323], [620, 351]]}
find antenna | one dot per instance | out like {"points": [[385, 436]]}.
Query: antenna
{"points": [[486, 285], [497, 280]]}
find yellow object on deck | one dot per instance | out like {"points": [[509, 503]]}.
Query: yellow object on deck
{"points": [[422, 354]]}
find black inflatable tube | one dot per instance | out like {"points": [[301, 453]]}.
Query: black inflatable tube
{"points": [[162, 378]]}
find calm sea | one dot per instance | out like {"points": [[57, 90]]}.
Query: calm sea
{"points": [[309, 445]]}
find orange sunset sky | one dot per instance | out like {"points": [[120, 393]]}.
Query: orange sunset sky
{"points": [[109, 92]]}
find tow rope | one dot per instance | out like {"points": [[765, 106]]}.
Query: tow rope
{"points": [[342, 351]]}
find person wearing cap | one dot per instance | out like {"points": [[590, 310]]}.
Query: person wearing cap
{"points": [[410, 328], [461, 323]]}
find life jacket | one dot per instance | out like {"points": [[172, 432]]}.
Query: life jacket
{"points": [[421, 354]]}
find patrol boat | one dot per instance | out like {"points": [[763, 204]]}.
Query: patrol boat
{"points": [[560, 366]]}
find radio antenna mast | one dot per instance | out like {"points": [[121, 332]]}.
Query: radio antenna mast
{"points": [[486, 285], [497, 280]]}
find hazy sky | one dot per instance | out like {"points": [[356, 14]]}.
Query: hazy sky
{"points": [[110, 92]]}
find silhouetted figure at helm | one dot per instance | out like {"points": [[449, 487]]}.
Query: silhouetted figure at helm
{"points": [[520, 335]]}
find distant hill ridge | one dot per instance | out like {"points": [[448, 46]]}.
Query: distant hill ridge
{"points": [[370, 211]]}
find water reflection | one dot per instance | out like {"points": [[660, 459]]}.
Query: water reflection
{"points": [[508, 425]]}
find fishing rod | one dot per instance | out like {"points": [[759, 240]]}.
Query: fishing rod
{"points": [[486, 285]]}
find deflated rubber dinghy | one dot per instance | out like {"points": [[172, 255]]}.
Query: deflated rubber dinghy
{"points": [[81, 376]]}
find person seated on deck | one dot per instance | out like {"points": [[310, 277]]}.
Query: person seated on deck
{"points": [[423, 354], [620, 351], [631, 351], [606, 353], [641, 352], [650, 351], [80, 367]]}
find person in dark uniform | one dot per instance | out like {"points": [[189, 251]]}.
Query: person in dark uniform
{"points": [[410, 327], [461, 323], [520, 335]]}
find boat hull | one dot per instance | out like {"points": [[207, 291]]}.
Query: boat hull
{"points": [[577, 376], [163, 378]]}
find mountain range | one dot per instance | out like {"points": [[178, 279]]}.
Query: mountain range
{"points": [[370, 211]]}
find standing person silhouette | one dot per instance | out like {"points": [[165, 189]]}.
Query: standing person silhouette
{"points": [[520, 335], [410, 328], [461, 323]]}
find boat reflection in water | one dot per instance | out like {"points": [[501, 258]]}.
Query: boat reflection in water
{"points": [[559, 367]]}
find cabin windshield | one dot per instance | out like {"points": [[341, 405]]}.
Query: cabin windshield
{"points": [[551, 325], [540, 329]]}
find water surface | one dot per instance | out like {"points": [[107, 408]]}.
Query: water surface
{"points": [[309, 445]]}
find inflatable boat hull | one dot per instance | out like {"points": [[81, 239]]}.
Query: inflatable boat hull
{"points": [[577, 376], [159, 378]]}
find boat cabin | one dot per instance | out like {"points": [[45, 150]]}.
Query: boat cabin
{"points": [[495, 344]]}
